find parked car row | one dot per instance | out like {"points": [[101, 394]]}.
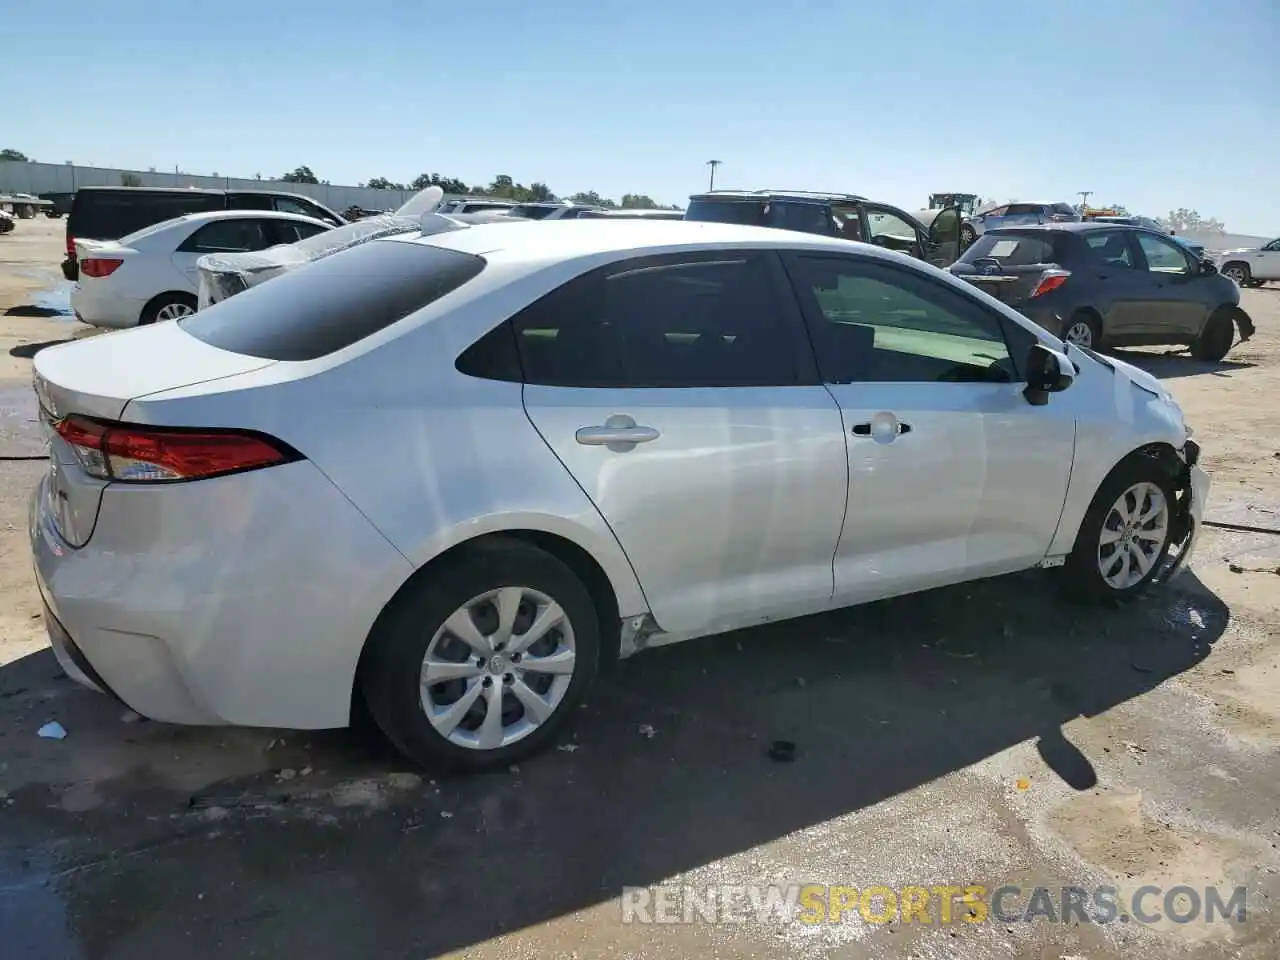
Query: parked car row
{"points": [[686, 429]]}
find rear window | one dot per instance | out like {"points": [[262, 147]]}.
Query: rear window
{"points": [[103, 215], [333, 302], [533, 211], [743, 212], [1012, 249], [1065, 209]]}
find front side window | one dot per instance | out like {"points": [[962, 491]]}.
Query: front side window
{"points": [[889, 229], [227, 236], [996, 212], [803, 217], [303, 208], [1112, 247], [1163, 256], [290, 231], [660, 322], [1273, 246], [874, 323]]}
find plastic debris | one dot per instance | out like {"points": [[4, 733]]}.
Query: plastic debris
{"points": [[1022, 783], [446, 814], [646, 730], [286, 774], [567, 747], [52, 730]]}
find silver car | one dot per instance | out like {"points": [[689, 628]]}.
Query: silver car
{"points": [[450, 474]]}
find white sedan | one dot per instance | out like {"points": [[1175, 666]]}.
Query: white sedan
{"points": [[448, 473], [151, 275]]}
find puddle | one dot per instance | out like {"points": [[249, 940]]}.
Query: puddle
{"points": [[54, 302]]}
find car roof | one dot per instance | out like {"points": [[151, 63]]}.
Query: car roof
{"points": [[770, 194], [570, 239], [1075, 226], [211, 191], [205, 215]]}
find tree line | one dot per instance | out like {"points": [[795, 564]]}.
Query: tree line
{"points": [[503, 187]]}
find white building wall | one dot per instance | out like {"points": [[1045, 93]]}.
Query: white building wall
{"points": [[37, 178]]}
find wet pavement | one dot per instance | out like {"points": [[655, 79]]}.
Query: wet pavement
{"points": [[976, 734]]}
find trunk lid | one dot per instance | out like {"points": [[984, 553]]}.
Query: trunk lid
{"points": [[98, 377], [1009, 264], [1012, 285]]}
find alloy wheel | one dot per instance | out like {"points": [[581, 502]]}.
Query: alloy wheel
{"points": [[1236, 274], [1133, 536], [173, 311], [498, 668], [1079, 333]]}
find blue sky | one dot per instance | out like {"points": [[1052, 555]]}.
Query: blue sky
{"points": [[1151, 103]]}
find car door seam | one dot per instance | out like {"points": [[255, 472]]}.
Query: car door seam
{"points": [[1066, 493], [524, 407], [848, 483]]}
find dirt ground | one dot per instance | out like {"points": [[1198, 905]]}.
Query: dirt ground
{"points": [[986, 734]]}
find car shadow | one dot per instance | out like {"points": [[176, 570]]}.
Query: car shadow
{"points": [[28, 350], [667, 769], [1173, 363]]}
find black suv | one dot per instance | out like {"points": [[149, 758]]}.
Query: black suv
{"points": [[835, 215], [109, 213], [1105, 284]]}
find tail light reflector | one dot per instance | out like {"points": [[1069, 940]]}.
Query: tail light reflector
{"points": [[71, 245], [99, 266], [135, 453], [1051, 281]]}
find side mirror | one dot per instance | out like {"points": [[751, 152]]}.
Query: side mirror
{"points": [[1048, 371], [1208, 266]]}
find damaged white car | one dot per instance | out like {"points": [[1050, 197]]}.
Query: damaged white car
{"points": [[446, 473]]}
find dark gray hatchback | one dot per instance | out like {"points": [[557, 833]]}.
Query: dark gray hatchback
{"points": [[1102, 284]]}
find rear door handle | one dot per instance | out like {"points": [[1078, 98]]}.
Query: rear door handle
{"points": [[889, 429], [619, 432]]}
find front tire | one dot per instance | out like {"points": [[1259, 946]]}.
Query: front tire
{"points": [[483, 662], [967, 236], [1216, 337], [1124, 539], [1238, 272]]}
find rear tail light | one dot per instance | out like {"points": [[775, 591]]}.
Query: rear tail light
{"points": [[99, 266], [1051, 281], [71, 245], [135, 453]]}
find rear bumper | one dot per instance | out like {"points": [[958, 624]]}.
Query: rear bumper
{"points": [[219, 602], [99, 309]]}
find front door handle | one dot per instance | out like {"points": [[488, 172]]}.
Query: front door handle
{"points": [[619, 433]]}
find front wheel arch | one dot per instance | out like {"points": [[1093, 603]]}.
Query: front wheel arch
{"points": [[148, 314]]}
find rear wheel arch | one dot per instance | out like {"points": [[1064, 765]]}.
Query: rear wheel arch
{"points": [[572, 555], [156, 303]]}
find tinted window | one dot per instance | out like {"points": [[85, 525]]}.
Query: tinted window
{"points": [[662, 322], [1025, 208], [533, 211], [804, 217], [290, 231], [334, 301], [1064, 209], [228, 236], [874, 323], [1163, 256], [1013, 249], [110, 215], [996, 212], [1274, 245], [1112, 246], [251, 201], [748, 212]]}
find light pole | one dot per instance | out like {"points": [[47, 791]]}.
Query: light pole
{"points": [[713, 164], [1084, 200]]}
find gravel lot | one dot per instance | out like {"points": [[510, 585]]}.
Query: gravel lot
{"points": [[986, 734]]}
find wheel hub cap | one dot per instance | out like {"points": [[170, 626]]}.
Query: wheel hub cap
{"points": [[1134, 535]]}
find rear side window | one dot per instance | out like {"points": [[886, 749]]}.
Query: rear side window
{"points": [[660, 322], [1064, 209], [1013, 250], [102, 215], [742, 212], [335, 301]]}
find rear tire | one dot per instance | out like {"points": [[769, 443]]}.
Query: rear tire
{"points": [[421, 635], [967, 236], [1083, 329], [1216, 337], [168, 306], [1123, 540]]}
